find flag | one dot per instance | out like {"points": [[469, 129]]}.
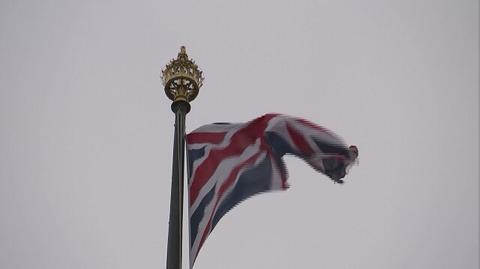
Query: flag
{"points": [[228, 163]]}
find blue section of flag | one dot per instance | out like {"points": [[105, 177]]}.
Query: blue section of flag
{"points": [[331, 148], [198, 215], [279, 145], [193, 155], [251, 182]]}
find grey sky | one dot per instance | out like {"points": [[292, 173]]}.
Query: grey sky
{"points": [[86, 130]]}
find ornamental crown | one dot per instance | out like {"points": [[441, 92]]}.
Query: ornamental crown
{"points": [[182, 78]]}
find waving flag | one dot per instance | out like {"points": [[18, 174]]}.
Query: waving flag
{"points": [[231, 162]]}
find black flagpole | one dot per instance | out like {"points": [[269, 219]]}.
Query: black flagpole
{"points": [[174, 253], [182, 80]]}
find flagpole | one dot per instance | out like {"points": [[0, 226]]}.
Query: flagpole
{"points": [[182, 80]]}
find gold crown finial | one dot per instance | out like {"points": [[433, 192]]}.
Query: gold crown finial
{"points": [[182, 78]]}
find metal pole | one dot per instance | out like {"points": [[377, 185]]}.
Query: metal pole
{"points": [[174, 251], [182, 80]]}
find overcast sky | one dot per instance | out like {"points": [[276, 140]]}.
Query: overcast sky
{"points": [[86, 130]]}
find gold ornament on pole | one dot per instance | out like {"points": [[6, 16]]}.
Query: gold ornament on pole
{"points": [[182, 78]]}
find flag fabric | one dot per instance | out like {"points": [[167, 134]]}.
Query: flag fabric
{"points": [[228, 163]]}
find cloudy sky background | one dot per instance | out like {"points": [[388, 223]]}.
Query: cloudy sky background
{"points": [[86, 130]]}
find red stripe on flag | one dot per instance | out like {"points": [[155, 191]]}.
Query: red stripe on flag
{"points": [[238, 143], [299, 141], [213, 138]]}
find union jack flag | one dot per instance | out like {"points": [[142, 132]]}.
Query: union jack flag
{"points": [[228, 163]]}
